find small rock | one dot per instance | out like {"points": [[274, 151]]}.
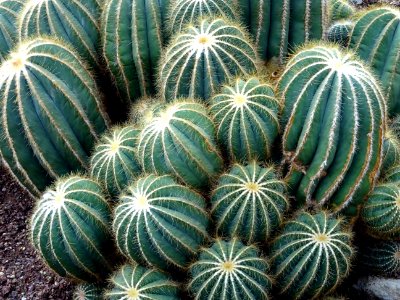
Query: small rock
{"points": [[379, 288]]}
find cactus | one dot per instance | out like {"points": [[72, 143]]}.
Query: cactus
{"points": [[52, 101], [230, 270], [246, 114], [311, 256], [132, 42], [250, 202], [159, 222], [391, 150], [180, 140], [340, 9], [392, 175], [142, 111], [9, 10], [381, 212], [114, 162], [88, 291], [376, 39], [76, 22], [382, 257], [204, 56], [134, 282], [340, 32], [70, 229], [334, 157]]}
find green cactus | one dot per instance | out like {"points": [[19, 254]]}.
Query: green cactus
{"points": [[311, 256], [340, 32], [9, 10], [382, 257], [204, 56], [180, 140], [52, 102], [376, 39], [132, 33], [250, 202], [76, 22], [88, 291], [391, 150], [392, 175], [142, 111], [133, 282], [160, 223], [340, 9], [381, 212], [246, 114], [70, 229], [334, 117], [229, 270], [114, 161]]}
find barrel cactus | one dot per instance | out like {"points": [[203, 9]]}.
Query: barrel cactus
{"points": [[340, 32], [70, 229], [376, 39], [132, 32], [160, 222], [9, 10], [114, 161], [392, 175], [246, 114], [180, 140], [204, 56], [134, 282], [249, 201], [340, 9], [391, 150], [381, 212], [142, 111], [76, 22], [311, 256], [88, 291], [52, 101], [382, 257], [230, 270], [334, 157]]}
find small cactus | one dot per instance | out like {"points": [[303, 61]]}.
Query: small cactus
{"points": [[391, 150], [340, 32], [88, 291], [229, 270], [311, 256], [246, 114], [70, 229], [134, 282], [9, 10], [340, 9], [392, 175], [250, 202], [382, 257], [160, 223]]}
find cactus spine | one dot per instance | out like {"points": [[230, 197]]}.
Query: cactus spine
{"points": [[160, 223], [247, 118], [382, 257], [230, 270], [335, 156], [9, 10], [52, 101], [340, 9], [204, 56], [250, 202], [340, 32], [88, 291], [76, 22], [70, 229], [132, 42], [311, 256]]}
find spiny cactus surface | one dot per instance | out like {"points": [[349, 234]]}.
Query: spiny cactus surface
{"points": [[382, 257], [340, 9], [391, 150], [88, 291], [340, 32], [9, 10], [392, 175]]}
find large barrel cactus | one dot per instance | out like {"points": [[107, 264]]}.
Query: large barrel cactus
{"points": [[204, 56], [180, 140], [334, 118], [76, 22], [382, 257], [230, 270], [70, 229], [132, 32], [9, 10], [311, 256], [50, 99], [160, 223], [376, 39]]}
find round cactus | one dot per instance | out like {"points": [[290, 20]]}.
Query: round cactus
{"points": [[334, 157], [392, 175], [340, 33], [132, 42], [391, 150], [381, 212], [376, 39], [204, 56], [250, 202], [341, 9], [88, 291], [382, 257], [160, 222], [70, 229], [9, 10], [311, 256], [180, 140], [114, 161], [230, 270], [76, 22], [142, 111], [52, 101], [247, 118]]}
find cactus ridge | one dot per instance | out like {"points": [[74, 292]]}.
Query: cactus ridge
{"points": [[392, 175], [383, 257], [9, 10], [391, 150], [88, 291]]}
